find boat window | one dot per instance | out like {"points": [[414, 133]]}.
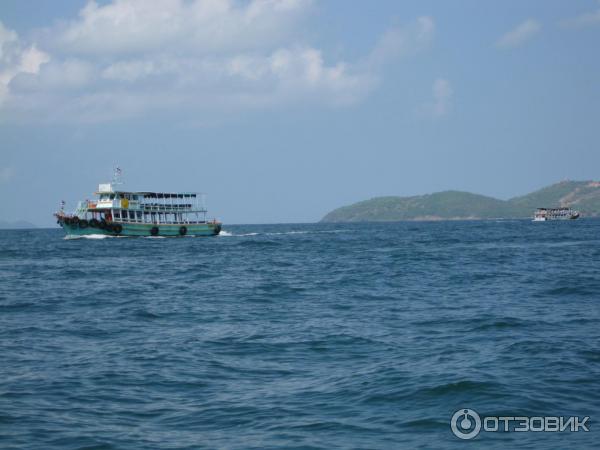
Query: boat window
{"points": [[112, 196]]}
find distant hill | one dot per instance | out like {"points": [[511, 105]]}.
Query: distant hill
{"points": [[18, 224], [583, 196]]}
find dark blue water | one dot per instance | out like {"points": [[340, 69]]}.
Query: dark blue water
{"points": [[299, 336]]}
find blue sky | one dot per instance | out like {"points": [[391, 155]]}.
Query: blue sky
{"points": [[284, 110]]}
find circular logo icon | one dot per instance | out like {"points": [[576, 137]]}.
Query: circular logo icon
{"points": [[465, 423]]}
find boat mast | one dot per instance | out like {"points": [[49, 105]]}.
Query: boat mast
{"points": [[117, 172]]}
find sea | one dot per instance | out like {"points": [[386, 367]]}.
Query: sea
{"points": [[303, 336]]}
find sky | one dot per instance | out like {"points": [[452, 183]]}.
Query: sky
{"points": [[284, 110]]}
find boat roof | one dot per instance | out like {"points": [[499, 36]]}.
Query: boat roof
{"points": [[149, 194], [555, 209]]}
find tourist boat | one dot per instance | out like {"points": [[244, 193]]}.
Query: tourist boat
{"points": [[124, 213], [544, 214]]}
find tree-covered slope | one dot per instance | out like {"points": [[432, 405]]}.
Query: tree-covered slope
{"points": [[581, 195], [440, 205]]}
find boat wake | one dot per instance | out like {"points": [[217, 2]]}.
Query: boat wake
{"points": [[229, 234], [283, 233], [69, 237]]}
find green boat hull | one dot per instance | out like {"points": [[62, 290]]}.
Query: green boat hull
{"points": [[144, 229]]}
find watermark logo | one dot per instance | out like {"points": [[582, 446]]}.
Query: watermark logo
{"points": [[467, 423]]}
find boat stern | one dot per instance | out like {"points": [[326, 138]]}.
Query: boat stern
{"points": [[217, 227]]}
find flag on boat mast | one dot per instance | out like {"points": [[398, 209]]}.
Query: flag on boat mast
{"points": [[117, 176]]}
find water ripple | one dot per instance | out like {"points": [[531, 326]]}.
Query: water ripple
{"points": [[298, 336]]}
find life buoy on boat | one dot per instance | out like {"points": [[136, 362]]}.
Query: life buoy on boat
{"points": [[102, 224], [75, 219], [83, 223], [117, 228], [94, 223], [154, 231], [183, 230]]}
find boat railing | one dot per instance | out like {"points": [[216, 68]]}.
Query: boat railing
{"points": [[161, 222], [149, 207], [178, 207]]}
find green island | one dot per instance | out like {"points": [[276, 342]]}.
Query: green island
{"points": [[584, 196]]}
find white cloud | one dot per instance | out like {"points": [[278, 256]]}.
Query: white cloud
{"points": [[522, 33], [441, 102], [132, 57], [131, 70], [15, 59], [198, 26], [400, 41], [6, 38], [67, 74], [583, 20]]}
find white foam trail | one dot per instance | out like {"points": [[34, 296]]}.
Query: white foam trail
{"points": [[222, 233], [282, 233], [87, 236], [305, 232], [227, 233], [289, 232]]}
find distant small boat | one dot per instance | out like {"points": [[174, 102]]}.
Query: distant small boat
{"points": [[544, 214], [127, 213]]}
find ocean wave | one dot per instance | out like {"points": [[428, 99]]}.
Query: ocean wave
{"points": [[280, 334]]}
